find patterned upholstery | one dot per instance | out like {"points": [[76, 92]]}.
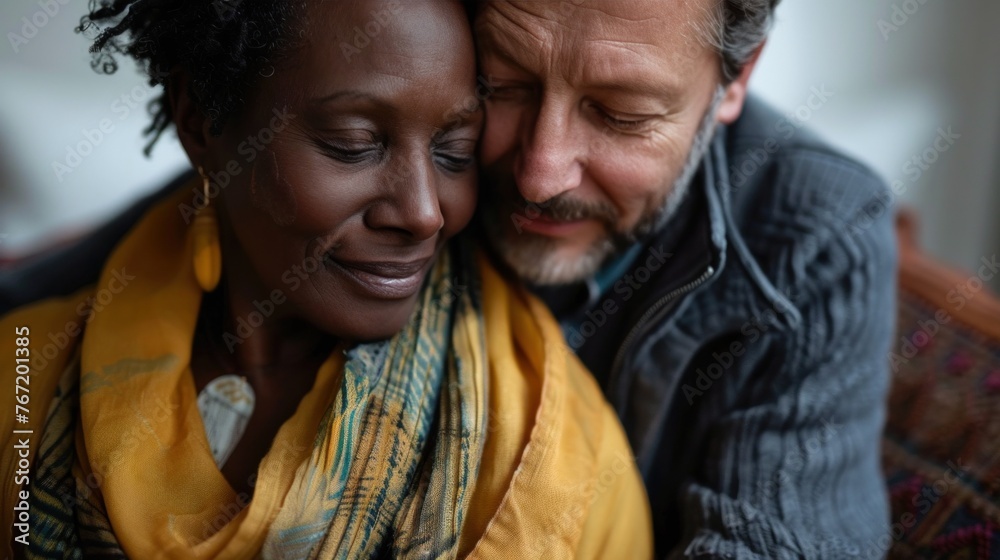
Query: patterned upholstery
{"points": [[941, 450]]}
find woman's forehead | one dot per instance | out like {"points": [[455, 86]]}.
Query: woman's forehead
{"points": [[381, 48]]}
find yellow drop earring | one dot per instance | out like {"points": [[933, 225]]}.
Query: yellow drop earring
{"points": [[205, 234]]}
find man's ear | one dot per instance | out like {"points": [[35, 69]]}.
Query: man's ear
{"points": [[736, 91], [191, 124]]}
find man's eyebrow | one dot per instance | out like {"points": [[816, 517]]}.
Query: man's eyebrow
{"points": [[492, 47], [654, 90]]}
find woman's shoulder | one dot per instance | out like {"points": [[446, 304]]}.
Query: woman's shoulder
{"points": [[44, 328], [37, 340], [67, 269], [574, 477]]}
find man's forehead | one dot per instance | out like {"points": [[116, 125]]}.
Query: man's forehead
{"points": [[602, 37], [652, 19]]}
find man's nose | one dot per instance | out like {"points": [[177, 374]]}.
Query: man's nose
{"points": [[550, 161], [409, 203]]}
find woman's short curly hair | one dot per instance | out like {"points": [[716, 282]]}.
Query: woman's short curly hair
{"points": [[223, 45]]}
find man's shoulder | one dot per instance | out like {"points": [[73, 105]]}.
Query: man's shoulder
{"points": [[790, 189], [774, 153]]}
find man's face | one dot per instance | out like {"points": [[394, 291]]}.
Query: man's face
{"points": [[590, 129]]}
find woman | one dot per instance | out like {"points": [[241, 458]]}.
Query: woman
{"points": [[286, 358]]}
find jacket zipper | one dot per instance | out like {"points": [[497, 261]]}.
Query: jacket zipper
{"points": [[652, 311]]}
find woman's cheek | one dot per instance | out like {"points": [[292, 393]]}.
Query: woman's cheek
{"points": [[271, 190], [459, 207]]}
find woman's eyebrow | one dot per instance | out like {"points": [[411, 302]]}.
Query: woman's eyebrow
{"points": [[350, 95], [460, 120]]}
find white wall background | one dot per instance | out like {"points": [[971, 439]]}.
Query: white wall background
{"points": [[892, 91], [48, 96]]}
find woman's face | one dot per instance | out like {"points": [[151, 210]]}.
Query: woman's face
{"points": [[353, 163]]}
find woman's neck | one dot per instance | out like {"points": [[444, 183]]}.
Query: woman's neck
{"points": [[243, 341], [259, 337]]}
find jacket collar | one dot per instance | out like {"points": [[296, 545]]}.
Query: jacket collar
{"points": [[701, 236], [710, 239]]}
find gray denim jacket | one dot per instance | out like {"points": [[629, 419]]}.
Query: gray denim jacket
{"points": [[746, 351]]}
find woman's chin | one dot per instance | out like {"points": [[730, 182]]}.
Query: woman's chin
{"points": [[367, 323]]}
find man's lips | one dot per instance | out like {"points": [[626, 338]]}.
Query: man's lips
{"points": [[385, 279], [551, 227]]}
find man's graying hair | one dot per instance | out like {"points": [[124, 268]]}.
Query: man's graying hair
{"points": [[735, 29]]}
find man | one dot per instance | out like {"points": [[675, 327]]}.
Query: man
{"points": [[726, 278]]}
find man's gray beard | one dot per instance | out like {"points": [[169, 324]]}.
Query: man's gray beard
{"points": [[530, 255]]}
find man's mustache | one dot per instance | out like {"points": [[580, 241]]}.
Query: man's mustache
{"points": [[562, 207]]}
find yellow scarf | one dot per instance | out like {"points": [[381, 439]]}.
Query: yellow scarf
{"points": [[385, 453]]}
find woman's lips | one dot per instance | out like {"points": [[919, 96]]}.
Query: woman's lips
{"points": [[385, 280]]}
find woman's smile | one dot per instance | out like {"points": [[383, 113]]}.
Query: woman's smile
{"points": [[383, 279]]}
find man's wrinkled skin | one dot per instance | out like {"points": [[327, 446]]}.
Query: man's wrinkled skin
{"points": [[593, 124]]}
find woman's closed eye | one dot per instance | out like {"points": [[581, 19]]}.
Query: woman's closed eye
{"points": [[361, 148], [455, 155], [352, 152]]}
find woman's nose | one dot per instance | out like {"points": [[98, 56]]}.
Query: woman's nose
{"points": [[409, 201]]}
